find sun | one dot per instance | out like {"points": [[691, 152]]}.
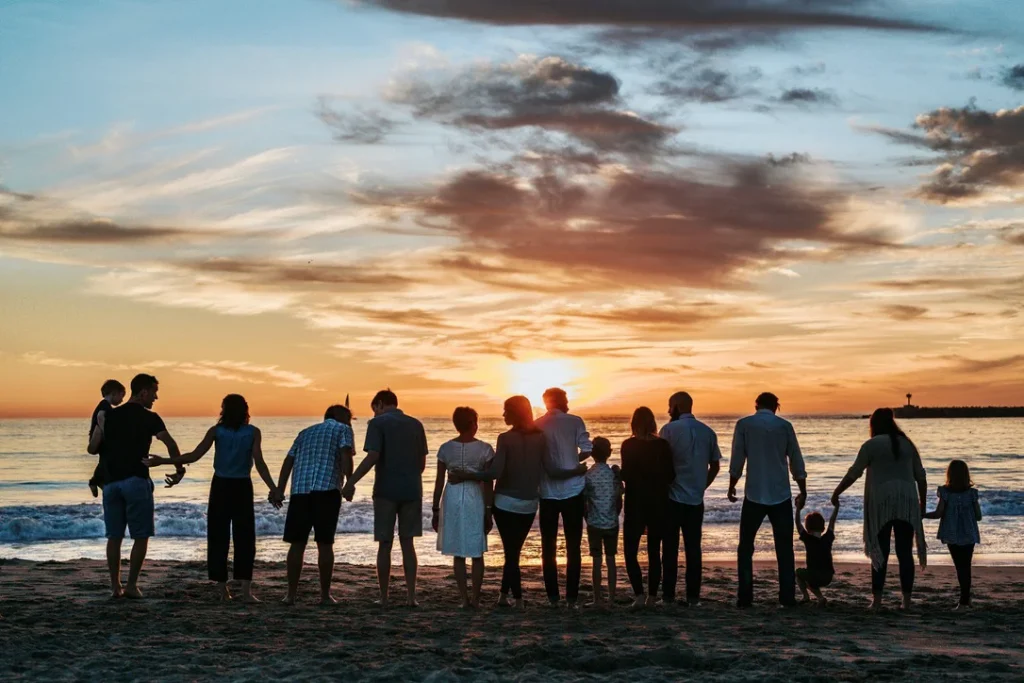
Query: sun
{"points": [[531, 378]]}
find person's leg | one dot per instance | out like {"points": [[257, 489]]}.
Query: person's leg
{"points": [[594, 540], [505, 526], [410, 563], [296, 553], [751, 516], [549, 510], [385, 514], [325, 563], [693, 531], [114, 566], [781, 518], [141, 516], [878, 573], [243, 528], [410, 527], [801, 581], [963, 573], [459, 568], [478, 581], [670, 544], [520, 532], [218, 535], [138, 557], [384, 568], [654, 561], [632, 530], [611, 549], [572, 525], [115, 519], [904, 532]]}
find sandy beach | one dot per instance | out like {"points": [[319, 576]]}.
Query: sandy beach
{"points": [[58, 624]]}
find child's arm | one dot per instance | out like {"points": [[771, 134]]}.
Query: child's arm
{"points": [[977, 508], [438, 489], [799, 524], [937, 512], [832, 519]]}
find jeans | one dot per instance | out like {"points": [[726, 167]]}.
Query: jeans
{"points": [[781, 518], [635, 522], [904, 532], [688, 519], [962, 556], [513, 529], [571, 511], [230, 513]]}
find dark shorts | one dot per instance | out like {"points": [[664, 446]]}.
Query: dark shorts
{"points": [[316, 510], [408, 514], [129, 503], [814, 579], [608, 539]]}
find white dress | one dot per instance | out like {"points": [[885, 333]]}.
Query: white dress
{"points": [[460, 531]]}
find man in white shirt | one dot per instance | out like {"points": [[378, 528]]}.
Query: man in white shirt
{"points": [[767, 445], [695, 457], [568, 446]]}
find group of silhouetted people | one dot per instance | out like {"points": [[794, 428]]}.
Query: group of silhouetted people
{"points": [[537, 467]]}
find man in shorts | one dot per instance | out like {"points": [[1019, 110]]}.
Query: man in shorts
{"points": [[318, 459], [396, 449], [125, 439]]}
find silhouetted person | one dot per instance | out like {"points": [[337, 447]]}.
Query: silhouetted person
{"points": [[767, 445], [396, 450], [124, 441], [696, 460], [112, 392]]}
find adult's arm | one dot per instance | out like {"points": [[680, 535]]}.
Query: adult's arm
{"points": [[174, 452], [373, 445], [438, 490], [188, 458], [796, 463], [493, 471], [259, 462], [424, 450], [800, 531], [715, 462], [854, 473], [921, 478], [365, 466], [833, 518], [583, 441], [937, 512], [554, 472], [737, 461]]}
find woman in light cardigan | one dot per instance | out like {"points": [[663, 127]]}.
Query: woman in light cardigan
{"points": [[894, 497]]}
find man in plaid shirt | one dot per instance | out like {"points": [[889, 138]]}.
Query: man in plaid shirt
{"points": [[316, 462]]}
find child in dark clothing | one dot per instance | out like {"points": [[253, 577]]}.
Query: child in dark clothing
{"points": [[113, 395], [818, 543]]}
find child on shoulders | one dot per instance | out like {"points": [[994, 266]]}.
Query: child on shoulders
{"points": [[960, 511], [817, 542]]}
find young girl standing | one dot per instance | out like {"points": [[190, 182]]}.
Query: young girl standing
{"points": [[461, 516], [960, 513]]}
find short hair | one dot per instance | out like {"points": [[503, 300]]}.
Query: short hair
{"points": [[338, 413], [643, 422], [602, 449], [558, 397], [385, 397], [814, 521], [111, 386], [464, 418], [143, 382], [681, 397], [767, 400]]}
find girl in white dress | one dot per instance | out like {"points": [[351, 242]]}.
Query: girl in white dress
{"points": [[461, 514]]}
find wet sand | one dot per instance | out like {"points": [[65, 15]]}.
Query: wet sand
{"points": [[59, 624]]}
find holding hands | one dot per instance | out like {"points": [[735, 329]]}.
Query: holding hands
{"points": [[276, 498], [349, 490]]}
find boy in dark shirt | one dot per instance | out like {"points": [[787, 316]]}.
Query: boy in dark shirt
{"points": [[818, 544], [113, 395]]}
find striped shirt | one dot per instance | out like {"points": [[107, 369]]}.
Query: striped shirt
{"points": [[315, 452]]}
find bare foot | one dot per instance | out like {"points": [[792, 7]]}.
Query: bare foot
{"points": [[250, 599], [652, 600], [383, 603], [288, 600], [806, 598], [639, 602], [328, 600], [411, 603], [223, 592], [822, 602], [132, 593], [466, 605], [117, 591], [503, 601], [693, 604], [572, 606]]}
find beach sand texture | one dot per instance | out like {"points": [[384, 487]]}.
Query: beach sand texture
{"points": [[58, 624]]}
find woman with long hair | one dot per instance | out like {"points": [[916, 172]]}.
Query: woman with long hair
{"points": [[894, 497], [647, 473], [231, 511]]}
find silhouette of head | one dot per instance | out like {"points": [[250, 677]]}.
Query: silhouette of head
{"points": [[234, 412], [602, 449], [339, 413], [383, 400], [465, 420], [814, 522], [643, 423], [680, 403], [767, 401], [556, 399], [519, 413], [113, 391], [958, 476], [144, 390]]}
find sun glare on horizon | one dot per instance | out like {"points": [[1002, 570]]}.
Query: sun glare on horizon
{"points": [[532, 378]]}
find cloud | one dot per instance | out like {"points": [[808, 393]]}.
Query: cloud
{"points": [[972, 365], [637, 226], [651, 13], [1013, 77], [671, 318], [360, 126], [983, 152], [548, 93], [904, 312], [225, 370], [267, 272], [706, 84], [807, 97]]}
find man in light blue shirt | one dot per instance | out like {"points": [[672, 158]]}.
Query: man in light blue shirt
{"points": [[767, 445], [695, 457]]}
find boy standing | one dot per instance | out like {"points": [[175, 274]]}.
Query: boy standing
{"points": [[113, 395], [818, 543], [603, 497]]}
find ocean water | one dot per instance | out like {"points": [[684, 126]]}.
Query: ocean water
{"points": [[47, 512]]}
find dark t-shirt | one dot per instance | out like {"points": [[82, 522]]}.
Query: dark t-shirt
{"points": [[402, 445], [647, 472], [128, 433], [103, 407], [819, 552]]}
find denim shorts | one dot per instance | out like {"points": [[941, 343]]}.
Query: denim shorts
{"points": [[129, 503]]}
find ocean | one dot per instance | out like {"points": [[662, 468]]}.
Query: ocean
{"points": [[47, 512]]}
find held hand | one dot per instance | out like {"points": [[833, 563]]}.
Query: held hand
{"points": [[801, 500], [581, 468], [732, 494], [455, 476], [171, 480], [835, 500], [433, 521], [349, 491], [154, 461], [488, 522], [276, 498]]}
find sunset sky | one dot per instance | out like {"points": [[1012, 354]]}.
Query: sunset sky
{"points": [[462, 199]]}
